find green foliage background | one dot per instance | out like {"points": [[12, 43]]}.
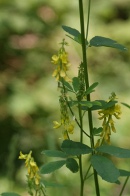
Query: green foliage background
{"points": [[29, 35]]}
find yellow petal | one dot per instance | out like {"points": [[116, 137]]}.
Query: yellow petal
{"points": [[56, 124]]}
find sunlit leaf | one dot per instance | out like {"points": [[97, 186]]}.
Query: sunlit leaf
{"points": [[75, 148], [105, 168], [98, 41]]}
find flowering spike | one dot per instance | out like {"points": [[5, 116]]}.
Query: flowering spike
{"points": [[108, 123], [62, 63]]}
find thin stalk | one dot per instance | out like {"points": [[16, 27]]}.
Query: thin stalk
{"points": [[85, 177], [124, 185], [88, 16], [80, 157], [81, 12]]}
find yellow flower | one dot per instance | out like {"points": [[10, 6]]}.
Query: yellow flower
{"points": [[22, 156], [56, 124], [62, 64], [55, 59], [70, 129], [108, 123]]}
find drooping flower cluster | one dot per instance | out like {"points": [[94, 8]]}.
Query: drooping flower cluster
{"points": [[33, 176], [68, 126], [62, 64], [108, 123]]}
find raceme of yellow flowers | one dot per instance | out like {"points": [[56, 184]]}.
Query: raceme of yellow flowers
{"points": [[62, 64], [32, 167], [108, 123]]}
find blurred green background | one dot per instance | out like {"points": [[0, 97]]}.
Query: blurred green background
{"points": [[30, 32]]}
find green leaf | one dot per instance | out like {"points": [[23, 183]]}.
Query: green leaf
{"points": [[71, 31], [91, 88], [52, 166], [72, 165], [98, 41], [72, 103], [105, 168], [54, 153], [75, 148], [101, 105], [124, 172], [68, 86], [114, 151], [75, 83], [96, 131], [89, 104], [86, 103], [125, 104], [9, 194], [74, 32]]}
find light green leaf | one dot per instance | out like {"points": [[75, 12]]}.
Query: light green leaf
{"points": [[105, 168], [9, 194], [72, 165], [52, 166], [98, 41], [54, 153], [91, 88], [75, 148], [114, 151], [124, 172]]}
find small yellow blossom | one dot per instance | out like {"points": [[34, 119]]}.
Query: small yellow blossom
{"points": [[108, 123]]}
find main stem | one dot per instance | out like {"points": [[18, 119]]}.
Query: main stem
{"points": [[87, 82], [80, 157]]}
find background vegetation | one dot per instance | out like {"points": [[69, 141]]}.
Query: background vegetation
{"points": [[29, 34]]}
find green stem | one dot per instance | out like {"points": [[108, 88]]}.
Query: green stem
{"points": [[89, 5], [81, 12], [80, 157], [124, 185]]}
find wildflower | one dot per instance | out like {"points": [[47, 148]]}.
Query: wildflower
{"points": [[108, 123], [33, 177], [62, 64], [31, 166]]}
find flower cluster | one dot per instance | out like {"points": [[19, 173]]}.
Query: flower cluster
{"points": [[33, 176], [65, 120], [62, 64], [108, 123]]}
